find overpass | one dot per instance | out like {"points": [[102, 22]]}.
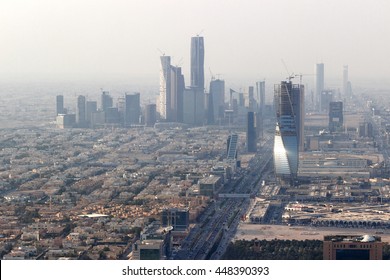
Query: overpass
{"points": [[234, 195]]}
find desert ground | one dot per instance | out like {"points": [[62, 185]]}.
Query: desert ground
{"points": [[269, 232]]}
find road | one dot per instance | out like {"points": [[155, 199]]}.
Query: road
{"points": [[218, 225]]}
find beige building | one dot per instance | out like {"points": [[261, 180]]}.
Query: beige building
{"points": [[352, 247]]}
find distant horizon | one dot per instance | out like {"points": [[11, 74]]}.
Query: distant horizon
{"points": [[153, 82], [245, 41]]}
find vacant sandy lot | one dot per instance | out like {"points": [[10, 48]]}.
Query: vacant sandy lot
{"points": [[268, 232]]}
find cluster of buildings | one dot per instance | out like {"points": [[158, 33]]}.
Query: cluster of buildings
{"points": [[127, 112], [85, 193], [176, 103], [318, 140], [134, 186]]}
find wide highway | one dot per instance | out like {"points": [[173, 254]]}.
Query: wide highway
{"points": [[218, 224]]}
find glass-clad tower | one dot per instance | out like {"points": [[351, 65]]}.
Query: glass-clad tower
{"points": [[289, 129], [197, 62], [165, 87]]}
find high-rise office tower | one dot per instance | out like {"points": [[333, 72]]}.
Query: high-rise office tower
{"points": [[193, 106], [112, 116], [150, 114], [197, 62], [121, 105], [80, 111], [132, 109], [176, 95], [289, 128], [241, 99], [217, 93], [251, 102], [210, 108], [232, 150], [260, 92], [319, 84], [336, 118], [251, 136], [165, 87], [300, 111], [232, 147], [60, 104], [106, 100], [170, 105], [91, 108], [345, 82], [260, 95], [326, 98]]}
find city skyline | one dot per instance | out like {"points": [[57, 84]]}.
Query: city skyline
{"points": [[194, 130], [105, 41]]}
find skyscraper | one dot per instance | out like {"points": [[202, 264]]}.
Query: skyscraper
{"points": [[197, 62], [251, 136], [170, 105], [210, 108], [250, 101], [232, 145], [80, 111], [176, 95], [132, 109], [326, 98], [289, 128], [112, 115], [260, 95], [106, 101], [165, 87], [91, 108], [60, 104], [217, 93], [345, 82], [319, 84], [336, 118], [150, 114], [193, 106]]}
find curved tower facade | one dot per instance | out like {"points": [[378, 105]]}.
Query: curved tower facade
{"points": [[289, 129], [165, 87]]}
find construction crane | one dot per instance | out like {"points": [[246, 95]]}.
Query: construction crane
{"points": [[178, 64], [212, 75], [300, 76], [161, 52], [290, 76]]}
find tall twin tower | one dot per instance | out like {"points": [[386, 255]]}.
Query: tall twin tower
{"points": [[178, 103]]}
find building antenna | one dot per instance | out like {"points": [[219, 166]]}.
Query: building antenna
{"points": [[200, 33]]}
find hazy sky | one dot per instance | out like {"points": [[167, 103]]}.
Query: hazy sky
{"points": [[245, 40]]}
